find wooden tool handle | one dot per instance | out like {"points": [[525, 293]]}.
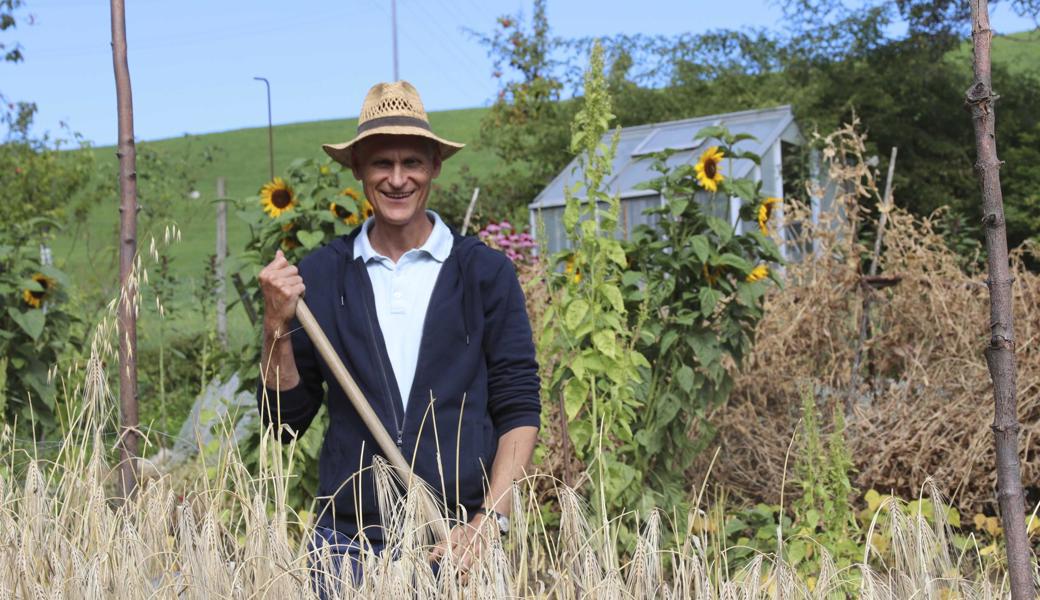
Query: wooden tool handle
{"points": [[360, 403]]}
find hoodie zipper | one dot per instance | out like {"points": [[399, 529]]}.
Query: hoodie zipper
{"points": [[382, 368]]}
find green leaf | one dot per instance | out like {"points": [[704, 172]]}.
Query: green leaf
{"points": [[614, 296], [721, 228], [310, 239], [604, 341], [575, 393], [732, 260], [30, 321], [616, 253], [745, 189], [700, 247], [576, 312], [684, 377], [711, 131], [709, 298], [667, 340]]}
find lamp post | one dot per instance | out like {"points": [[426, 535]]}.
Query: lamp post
{"points": [[270, 130]]}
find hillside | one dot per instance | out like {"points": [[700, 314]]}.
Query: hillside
{"points": [[88, 252], [1019, 52]]}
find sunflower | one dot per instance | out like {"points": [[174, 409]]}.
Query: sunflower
{"points": [[570, 271], [351, 218], [758, 273], [708, 174], [765, 213], [35, 298], [277, 197]]}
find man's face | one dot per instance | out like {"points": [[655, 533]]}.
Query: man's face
{"points": [[396, 172]]}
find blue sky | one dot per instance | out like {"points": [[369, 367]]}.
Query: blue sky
{"points": [[192, 61]]}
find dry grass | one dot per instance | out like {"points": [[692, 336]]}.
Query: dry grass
{"points": [[226, 532], [926, 409]]}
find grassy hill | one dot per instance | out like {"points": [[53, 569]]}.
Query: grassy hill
{"points": [[1019, 52], [87, 252]]}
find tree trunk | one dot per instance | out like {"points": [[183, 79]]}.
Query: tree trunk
{"points": [[1000, 354], [127, 312]]}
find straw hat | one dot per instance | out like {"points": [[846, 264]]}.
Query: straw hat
{"points": [[391, 109]]}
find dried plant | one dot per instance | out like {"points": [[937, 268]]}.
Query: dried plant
{"points": [[923, 408]]}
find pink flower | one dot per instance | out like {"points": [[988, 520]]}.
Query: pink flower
{"points": [[492, 228]]}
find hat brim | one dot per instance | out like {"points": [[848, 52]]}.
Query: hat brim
{"points": [[343, 153]]}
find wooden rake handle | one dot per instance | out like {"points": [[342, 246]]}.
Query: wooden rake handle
{"points": [[375, 426]]}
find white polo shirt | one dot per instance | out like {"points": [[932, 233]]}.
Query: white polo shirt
{"points": [[402, 294]]}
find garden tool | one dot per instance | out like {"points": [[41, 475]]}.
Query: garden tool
{"points": [[431, 516]]}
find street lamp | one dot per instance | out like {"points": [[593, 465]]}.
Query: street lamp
{"points": [[270, 130]]}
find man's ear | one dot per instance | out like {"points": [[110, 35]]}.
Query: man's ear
{"points": [[355, 164], [436, 165]]}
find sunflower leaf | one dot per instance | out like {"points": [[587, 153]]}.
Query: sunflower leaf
{"points": [[31, 321], [310, 239], [700, 246], [711, 131], [684, 376]]}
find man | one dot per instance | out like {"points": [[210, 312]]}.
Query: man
{"points": [[431, 325]]}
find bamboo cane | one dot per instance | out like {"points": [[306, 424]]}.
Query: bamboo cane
{"points": [[432, 517]]}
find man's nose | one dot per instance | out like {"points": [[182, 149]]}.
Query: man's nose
{"points": [[397, 178]]}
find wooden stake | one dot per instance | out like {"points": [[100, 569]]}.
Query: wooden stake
{"points": [[218, 267], [1000, 354], [868, 290], [127, 317], [469, 210]]}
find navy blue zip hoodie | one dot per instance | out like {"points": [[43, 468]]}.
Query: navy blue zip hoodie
{"points": [[476, 357]]}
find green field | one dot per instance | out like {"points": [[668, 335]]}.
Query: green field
{"points": [[1019, 52], [87, 250]]}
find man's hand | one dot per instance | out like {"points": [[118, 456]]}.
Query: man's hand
{"points": [[467, 542], [282, 286]]}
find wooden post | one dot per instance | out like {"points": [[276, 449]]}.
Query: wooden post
{"points": [[221, 254], [868, 291], [243, 296], [1000, 354], [469, 210], [127, 317]]}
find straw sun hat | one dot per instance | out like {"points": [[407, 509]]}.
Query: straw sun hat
{"points": [[391, 109]]}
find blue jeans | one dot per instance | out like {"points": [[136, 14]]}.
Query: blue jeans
{"points": [[341, 549]]}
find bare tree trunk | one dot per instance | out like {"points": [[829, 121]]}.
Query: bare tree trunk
{"points": [[1000, 354], [127, 153]]}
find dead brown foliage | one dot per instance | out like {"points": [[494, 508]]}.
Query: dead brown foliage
{"points": [[925, 403]]}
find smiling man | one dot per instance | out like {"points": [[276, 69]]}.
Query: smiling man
{"points": [[433, 328]]}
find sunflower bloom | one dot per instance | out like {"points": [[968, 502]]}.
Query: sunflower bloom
{"points": [[758, 273], [573, 273], [708, 173], [35, 298], [277, 197], [765, 213]]}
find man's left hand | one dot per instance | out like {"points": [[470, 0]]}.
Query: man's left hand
{"points": [[467, 542]]}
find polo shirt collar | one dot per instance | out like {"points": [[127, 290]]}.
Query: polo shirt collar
{"points": [[438, 244]]}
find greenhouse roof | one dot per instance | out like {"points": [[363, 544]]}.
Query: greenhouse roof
{"points": [[633, 161]]}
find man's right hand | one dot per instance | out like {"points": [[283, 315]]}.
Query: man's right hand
{"points": [[282, 287]]}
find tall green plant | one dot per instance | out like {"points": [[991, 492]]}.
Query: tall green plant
{"points": [[586, 330], [703, 281]]}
